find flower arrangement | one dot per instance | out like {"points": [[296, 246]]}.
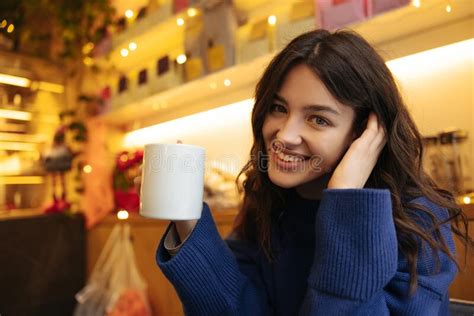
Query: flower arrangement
{"points": [[127, 168]]}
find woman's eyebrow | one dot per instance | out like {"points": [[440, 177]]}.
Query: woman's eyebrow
{"points": [[312, 107], [320, 108]]}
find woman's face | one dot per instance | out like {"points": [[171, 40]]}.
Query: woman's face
{"points": [[306, 132]]}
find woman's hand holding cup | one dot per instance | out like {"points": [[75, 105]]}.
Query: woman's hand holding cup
{"points": [[172, 184]]}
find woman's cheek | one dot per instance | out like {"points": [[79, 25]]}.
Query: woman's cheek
{"points": [[323, 161]]}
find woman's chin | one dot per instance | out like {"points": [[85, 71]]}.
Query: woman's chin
{"points": [[287, 180]]}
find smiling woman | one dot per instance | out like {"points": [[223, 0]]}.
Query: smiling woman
{"points": [[338, 215], [305, 126]]}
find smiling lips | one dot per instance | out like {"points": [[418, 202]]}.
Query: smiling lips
{"points": [[287, 155]]}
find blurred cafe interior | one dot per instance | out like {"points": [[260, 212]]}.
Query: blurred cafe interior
{"points": [[84, 85]]}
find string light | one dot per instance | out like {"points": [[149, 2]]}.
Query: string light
{"points": [[88, 61], [11, 28], [3, 24], [86, 49], [123, 158], [87, 169], [122, 214], [14, 80], [192, 12], [416, 3], [181, 59], [272, 20], [129, 14]]}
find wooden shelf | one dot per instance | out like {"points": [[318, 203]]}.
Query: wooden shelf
{"points": [[155, 34], [395, 34]]}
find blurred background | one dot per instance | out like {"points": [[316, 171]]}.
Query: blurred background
{"points": [[85, 84]]}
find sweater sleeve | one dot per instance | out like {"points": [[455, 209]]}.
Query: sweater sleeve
{"points": [[212, 279], [357, 269]]}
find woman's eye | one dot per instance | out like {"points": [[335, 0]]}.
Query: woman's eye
{"points": [[319, 121], [278, 108]]}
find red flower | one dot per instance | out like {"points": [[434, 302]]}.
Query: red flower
{"points": [[138, 157], [127, 200], [123, 162]]}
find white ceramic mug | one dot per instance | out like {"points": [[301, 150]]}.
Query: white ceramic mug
{"points": [[172, 184]]}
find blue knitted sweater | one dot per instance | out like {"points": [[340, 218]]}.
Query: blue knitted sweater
{"points": [[334, 256]]}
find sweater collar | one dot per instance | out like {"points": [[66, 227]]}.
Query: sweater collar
{"points": [[299, 207]]}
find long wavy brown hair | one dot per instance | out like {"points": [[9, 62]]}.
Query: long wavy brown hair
{"points": [[357, 76]]}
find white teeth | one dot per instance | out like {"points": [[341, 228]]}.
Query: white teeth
{"points": [[289, 158]]}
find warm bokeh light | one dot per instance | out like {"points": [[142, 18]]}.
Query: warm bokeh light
{"points": [[416, 3], [449, 8], [122, 214], [15, 115], [132, 46], [272, 20], [3, 24], [17, 99], [181, 59], [227, 82], [179, 21], [467, 200], [457, 53], [87, 48], [11, 28], [192, 12], [88, 61], [14, 80], [129, 14], [87, 169], [123, 158], [124, 52], [199, 121]]}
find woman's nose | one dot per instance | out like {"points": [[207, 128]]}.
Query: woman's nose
{"points": [[290, 133]]}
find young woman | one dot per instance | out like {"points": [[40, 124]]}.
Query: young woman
{"points": [[338, 216]]}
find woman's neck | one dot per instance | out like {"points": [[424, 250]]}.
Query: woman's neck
{"points": [[313, 190]]}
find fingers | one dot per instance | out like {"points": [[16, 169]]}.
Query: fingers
{"points": [[379, 138], [374, 134], [371, 130], [372, 123]]}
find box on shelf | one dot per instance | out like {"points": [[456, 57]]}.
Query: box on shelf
{"points": [[219, 27], [301, 19], [142, 89], [375, 7], [140, 26], [194, 47], [257, 43], [168, 75], [180, 5], [333, 14], [124, 93], [162, 65], [193, 68]]}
